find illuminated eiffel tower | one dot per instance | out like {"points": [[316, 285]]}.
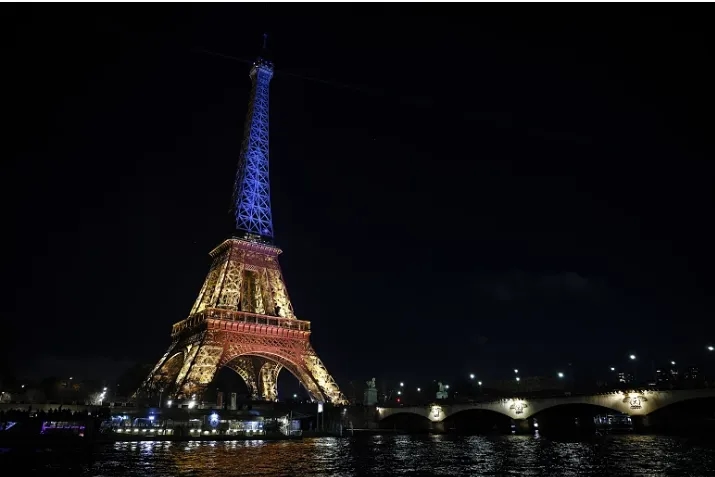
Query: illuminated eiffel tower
{"points": [[243, 318]]}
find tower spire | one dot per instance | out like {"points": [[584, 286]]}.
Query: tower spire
{"points": [[252, 196]]}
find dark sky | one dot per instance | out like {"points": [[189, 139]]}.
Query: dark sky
{"points": [[456, 189]]}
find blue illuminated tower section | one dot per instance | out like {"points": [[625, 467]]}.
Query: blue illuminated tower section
{"points": [[252, 193]]}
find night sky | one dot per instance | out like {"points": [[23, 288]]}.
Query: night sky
{"points": [[455, 191]]}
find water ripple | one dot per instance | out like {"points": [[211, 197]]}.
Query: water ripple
{"points": [[388, 455]]}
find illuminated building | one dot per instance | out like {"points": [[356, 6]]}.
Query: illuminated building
{"points": [[242, 318]]}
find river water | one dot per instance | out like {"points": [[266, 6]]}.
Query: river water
{"points": [[382, 455]]}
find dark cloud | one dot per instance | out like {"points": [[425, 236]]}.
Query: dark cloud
{"points": [[519, 284]]}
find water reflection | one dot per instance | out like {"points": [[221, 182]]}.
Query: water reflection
{"points": [[388, 455]]}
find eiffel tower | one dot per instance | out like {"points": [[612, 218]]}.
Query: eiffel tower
{"points": [[243, 318]]}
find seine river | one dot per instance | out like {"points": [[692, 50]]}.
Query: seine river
{"points": [[384, 455]]}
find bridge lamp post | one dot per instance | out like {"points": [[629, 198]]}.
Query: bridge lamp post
{"points": [[635, 369], [471, 376], [516, 371], [710, 348], [419, 389], [560, 375], [402, 385], [613, 369]]}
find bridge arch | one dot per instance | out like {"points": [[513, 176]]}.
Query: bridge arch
{"points": [[574, 405], [541, 408], [684, 396], [406, 420], [697, 404], [477, 420], [477, 409]]}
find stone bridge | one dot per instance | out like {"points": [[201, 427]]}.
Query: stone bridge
{"points": [[633, 403]]}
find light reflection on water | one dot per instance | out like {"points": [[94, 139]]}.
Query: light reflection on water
{"points": [[389, 455]]}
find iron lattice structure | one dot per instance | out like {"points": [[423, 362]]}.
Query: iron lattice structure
{"points": [[243, 318], [252, 193]]}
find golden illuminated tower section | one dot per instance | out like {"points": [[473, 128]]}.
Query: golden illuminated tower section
{"points": [[243, 318]]}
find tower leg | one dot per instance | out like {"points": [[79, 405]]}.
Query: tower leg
{"points": [[191, 364], [245, 367], [322, 378], [269, 380], [149, 384], [199, 370]]}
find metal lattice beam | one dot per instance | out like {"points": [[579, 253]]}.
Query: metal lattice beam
{"points": [[269, 380], [245, 368], [252, 196]]}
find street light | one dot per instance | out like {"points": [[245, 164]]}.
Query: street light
{"points": [[446, 386], [399, 393], [672, 363], [294, 395], [471, 376], [518, 379], [710, 348], [516, 371], [419, 389], [612, 368], [561, 375], [633, 356], [479, 383], [402, 385]]}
